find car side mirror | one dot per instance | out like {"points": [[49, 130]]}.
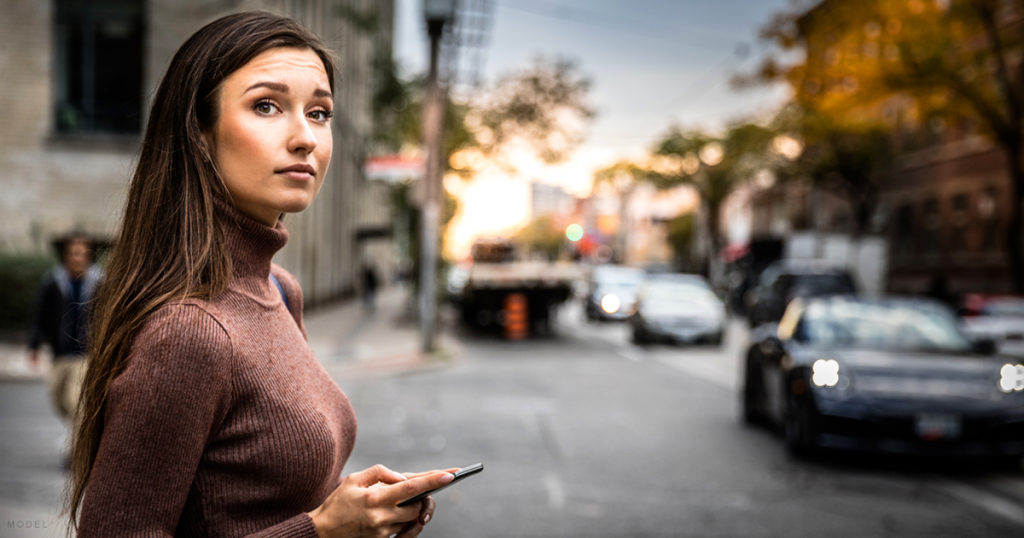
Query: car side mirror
{"points": [[985, 346], [771, 346]]}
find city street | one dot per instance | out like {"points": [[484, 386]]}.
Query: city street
{"points": [[584, 434]]}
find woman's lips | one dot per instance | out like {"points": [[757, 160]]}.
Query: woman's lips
{"points": [[298, 172]]}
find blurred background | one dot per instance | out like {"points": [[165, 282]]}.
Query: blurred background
{"points": [[746, 267]]}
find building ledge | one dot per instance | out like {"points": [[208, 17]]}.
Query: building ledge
{"points": [[946, 152]]}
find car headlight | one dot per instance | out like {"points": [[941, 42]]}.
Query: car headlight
{"points": [[1011, 377], [826, 373], [610, 303]]}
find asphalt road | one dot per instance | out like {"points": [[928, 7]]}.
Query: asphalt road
{"points": [[584, 434]]}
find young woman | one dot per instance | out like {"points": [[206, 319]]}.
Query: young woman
{"points": [[204, 412]]}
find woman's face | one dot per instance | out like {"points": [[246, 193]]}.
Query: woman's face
{"points": [[272, 138]]}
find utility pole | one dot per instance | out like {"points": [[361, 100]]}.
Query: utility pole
{"points": [[437, 13]]}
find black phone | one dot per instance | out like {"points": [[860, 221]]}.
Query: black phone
{"points": [[459, 475]]}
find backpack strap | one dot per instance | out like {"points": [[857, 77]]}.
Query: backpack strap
{"points": [[280, 288]]}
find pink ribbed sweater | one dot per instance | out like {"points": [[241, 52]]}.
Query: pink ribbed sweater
{"points": [[223, 422]]}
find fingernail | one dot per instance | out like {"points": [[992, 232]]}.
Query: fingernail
{"points": [[448, 477], [426, 519]]}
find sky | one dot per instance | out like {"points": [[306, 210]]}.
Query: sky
{"points": [[653, 64]]}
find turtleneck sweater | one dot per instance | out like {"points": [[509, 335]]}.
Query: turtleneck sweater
{"points": [[223, 423]]}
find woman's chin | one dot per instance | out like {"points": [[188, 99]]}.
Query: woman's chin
{"points": [[297, 205]]}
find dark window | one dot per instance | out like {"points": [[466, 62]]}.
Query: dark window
{"points": [[931, 222], [99, 66], [905, 230], [960, 221], [989, 217]]}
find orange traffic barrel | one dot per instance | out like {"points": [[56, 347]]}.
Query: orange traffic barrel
{"points": [[517, 319]]}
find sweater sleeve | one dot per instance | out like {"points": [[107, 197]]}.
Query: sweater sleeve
{"points": [[159, 414]]}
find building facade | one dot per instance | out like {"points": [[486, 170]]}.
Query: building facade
{"points": [[79, 75]]}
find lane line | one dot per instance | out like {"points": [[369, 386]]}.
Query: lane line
{"points": [[989, 502], [701, 370], [556, 493]]}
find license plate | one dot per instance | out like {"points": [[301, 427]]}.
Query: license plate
{"points": [[934, 426]]}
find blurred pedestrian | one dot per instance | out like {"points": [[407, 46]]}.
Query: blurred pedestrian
{"points": [[369, 287], [205, 411], [938, 289], [61, 319]]}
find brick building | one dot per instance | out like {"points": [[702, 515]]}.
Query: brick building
{"points": [[78, 76]]}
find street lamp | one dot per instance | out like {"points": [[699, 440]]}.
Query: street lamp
{"points": [[437, 13], [438, 10]]}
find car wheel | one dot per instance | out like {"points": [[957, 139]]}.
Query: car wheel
{"points": [[716, 340], [638, 336], [801, 427], [751, 395]]}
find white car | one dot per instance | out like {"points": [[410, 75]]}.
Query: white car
{"points": [[1000, 319]]}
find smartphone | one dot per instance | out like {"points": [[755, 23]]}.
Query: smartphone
{"points": [[459, 475]]}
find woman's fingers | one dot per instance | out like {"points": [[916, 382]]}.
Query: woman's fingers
{"points": [[426, 510], [412, 530], [396, 493], [375, 474], [428, 473]]}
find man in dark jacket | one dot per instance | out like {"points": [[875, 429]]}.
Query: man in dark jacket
{"points": [[61, 320]]}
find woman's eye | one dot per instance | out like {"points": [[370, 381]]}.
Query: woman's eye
{"points": [[265, 108], [320, 115]]}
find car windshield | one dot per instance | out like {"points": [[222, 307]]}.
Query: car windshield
{"points": [[823, 284], [1004, 307], [677, 292], [906, 326], [618, 278]]}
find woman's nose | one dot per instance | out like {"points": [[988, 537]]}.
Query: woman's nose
{"points": [[302, 136]]}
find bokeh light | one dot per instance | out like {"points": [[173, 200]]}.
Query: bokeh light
{"points": [[574, 232]]}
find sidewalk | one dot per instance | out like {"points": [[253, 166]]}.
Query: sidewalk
{"points": [[350, 342]]}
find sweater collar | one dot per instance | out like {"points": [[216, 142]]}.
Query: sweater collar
{"points": [[252, 245]]}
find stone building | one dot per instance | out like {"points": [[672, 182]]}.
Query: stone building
{"points": [[78, 76]]}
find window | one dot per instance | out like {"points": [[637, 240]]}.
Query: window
{"points": [[98, 62], [989, 220], [960, 222], [904, 230], [931, 225]]}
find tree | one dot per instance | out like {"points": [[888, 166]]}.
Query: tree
{"points": [[545, 105], [681, 234], [540, 235], [713, 166], [849, 158], [952, 59]]}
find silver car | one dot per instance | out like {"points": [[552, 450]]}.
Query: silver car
{"points": [[677, 308]]}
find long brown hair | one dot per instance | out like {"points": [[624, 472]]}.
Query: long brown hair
{"points": [[169, 246]]}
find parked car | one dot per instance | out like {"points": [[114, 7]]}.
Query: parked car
{"points": [[891, 375], [783, 281], [996, 317], [678, 308], [612, 291]]}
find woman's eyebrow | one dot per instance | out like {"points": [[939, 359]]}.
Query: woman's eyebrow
{"points": [[275, 86], [283, 88]]}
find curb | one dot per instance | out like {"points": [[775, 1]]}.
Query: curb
{"points": [[413, 362]]}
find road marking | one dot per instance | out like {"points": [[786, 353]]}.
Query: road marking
{"points": [[556, 493], [989, 502], [701, 369], [630, 354]]}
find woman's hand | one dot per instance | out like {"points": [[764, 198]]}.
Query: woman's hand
{"points": [[365, 504]]}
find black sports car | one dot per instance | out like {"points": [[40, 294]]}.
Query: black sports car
{"points": [[891, 375]]}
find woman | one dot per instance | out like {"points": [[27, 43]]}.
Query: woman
{"points": [[204, 411]]}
